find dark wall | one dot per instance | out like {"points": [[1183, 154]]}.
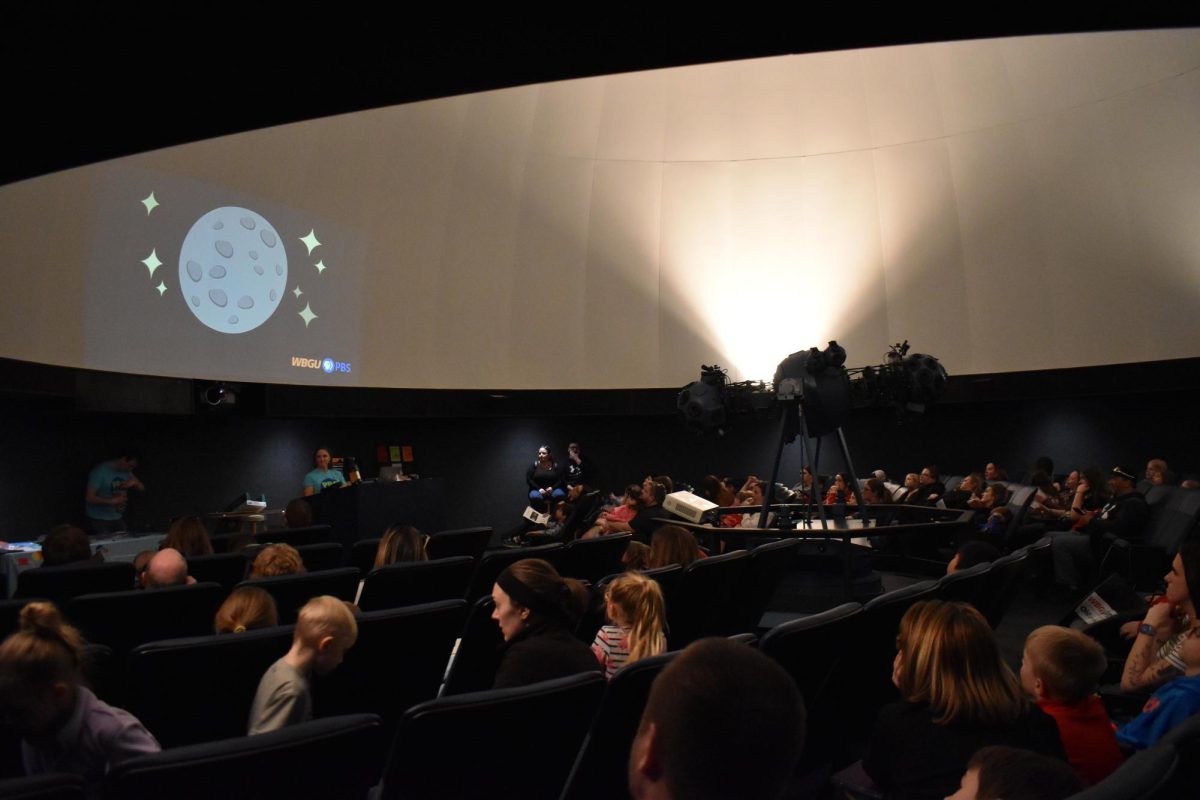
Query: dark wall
{"points": [[199, 462]]}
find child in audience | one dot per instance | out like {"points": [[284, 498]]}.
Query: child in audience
{"points": [[325, 630], [247, 608], [1166, 708], [623, 512], [637, 556], [1009, 773], [400, 543], [1061, 670], [275, 560], [635, 608], [63, 726], [972, 554]]}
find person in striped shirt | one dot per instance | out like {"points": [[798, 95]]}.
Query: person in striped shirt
{"points": [[634, 604]]}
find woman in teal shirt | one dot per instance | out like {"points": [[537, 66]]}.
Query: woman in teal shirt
{"points": [[322, 477]]}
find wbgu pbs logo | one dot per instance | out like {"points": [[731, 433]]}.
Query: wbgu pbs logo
{"points": [[326, 365]]}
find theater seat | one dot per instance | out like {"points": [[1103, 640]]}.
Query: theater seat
{"points": [[60, 584], [707, 601], [54, 786], [518, 742], [338, 757], [227, 569], [591, 559], [296, 537], [492, 564], [123, 620], [291, 592], [478, 656], [322, 556], [459, 542], [414, 582]]}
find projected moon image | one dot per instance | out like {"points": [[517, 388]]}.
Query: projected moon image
{"points": [[232, 269]]}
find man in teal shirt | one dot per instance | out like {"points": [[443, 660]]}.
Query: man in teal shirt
{"points": [[106, 497]]}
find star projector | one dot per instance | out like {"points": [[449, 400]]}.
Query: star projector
{"points": [[232, 269]]}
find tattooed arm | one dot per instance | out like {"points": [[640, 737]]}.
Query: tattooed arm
{"points": [[1144, 671]]}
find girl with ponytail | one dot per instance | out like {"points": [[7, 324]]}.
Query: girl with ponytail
{"points": [[63, 726], [635, 607]]}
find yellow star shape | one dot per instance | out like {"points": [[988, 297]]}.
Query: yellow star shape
{"points": [[320, 265], [151, 261], [310, 241], [150, 203], [307, 314], [162, 287]]}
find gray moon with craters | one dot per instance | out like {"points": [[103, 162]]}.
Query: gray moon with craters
{"points": [[232, 269]]}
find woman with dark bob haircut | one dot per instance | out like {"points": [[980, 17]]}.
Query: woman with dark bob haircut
{"points": [[537, 611], [957, 696], [188, 536]]}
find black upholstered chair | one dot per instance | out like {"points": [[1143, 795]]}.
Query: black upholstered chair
{"points": [[200, 689], [60, 584], [591, 559], [966, 585], [291, 592], [52, 786], [337, 757], [412, 582], [493, 563], [459, 542], [362, 555], [1001, 585], [296, 537], [398, 661], [10, 615], [322, 556], [600, 769], [474, 666], [1148, 775], [813, 650], [463, 746], [123, 620], [706, 602], [767, 565], [227, 569]]}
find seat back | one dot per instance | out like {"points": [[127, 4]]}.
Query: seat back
{"points": [[338, 757], [427, 754], [398, 661], [51, 786], [413, 582], [591, 559], [1172, 521], [767, 565], [227, 569], [812, 650], [493, 563], [123, 620], [1001, 585], [706, 602], [966, 585], [291, 592], [322, 556], [60, 584], [1147, 775], [601, 768], [10, 615], [473, 668], [459, 542], [200, 689], [1019, 501], [362, 555], [296, 537]]}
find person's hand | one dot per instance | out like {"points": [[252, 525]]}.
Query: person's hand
{"points": [[1159, 615], [1130, 629]]}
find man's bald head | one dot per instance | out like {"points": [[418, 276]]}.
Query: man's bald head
{"points": [[167, 568]]}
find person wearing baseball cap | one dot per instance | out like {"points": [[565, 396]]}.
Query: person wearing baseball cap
{"points": [[1124, 517]]}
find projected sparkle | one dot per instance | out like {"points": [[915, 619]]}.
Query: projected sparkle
{"points": [[162, 288], [307, 314], [151, 261], [310, 241], [297, 292], [320, 265], [232, 269], [150, 203]]}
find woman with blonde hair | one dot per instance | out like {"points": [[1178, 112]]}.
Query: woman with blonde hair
{"points": [[63, 726], [400, 543], [672, 544], [634, 604], [957, 696], [189, 537], [247, 608]]}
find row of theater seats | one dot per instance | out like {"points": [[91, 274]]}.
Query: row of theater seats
{"points": [[568, 738]]}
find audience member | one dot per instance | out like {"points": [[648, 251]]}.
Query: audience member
{"points": [[972, 554], [275, 560], [189, 537], [840, 492], [166, 568], [634, 606], [1043, 464], [579, 469], [325, 630], [1125, 516], [993, 473], [297, 513], [247, 608], [1010, 773], [400, 543], [65, 544], [874, 492], [537, 611], [803, 490], [970, 488], [1172, 704], [912, 482], [649, 516], [672, 545], [957, 695], [1167, 642], [1047, 502], [1061, 671], [722, 720], [1158, 473], [637, 556], [140, 562], [545, 479], [62, 725]]}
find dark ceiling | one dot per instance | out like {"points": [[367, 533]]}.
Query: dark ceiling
{"points": [[94, 84]]}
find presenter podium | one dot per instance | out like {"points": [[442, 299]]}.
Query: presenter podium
{"points": [[365, 510]]}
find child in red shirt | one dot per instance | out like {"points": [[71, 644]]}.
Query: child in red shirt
{"points": [[1061, 669]]}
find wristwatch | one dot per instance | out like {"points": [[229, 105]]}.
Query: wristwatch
{"points": [[1149, 630]]}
